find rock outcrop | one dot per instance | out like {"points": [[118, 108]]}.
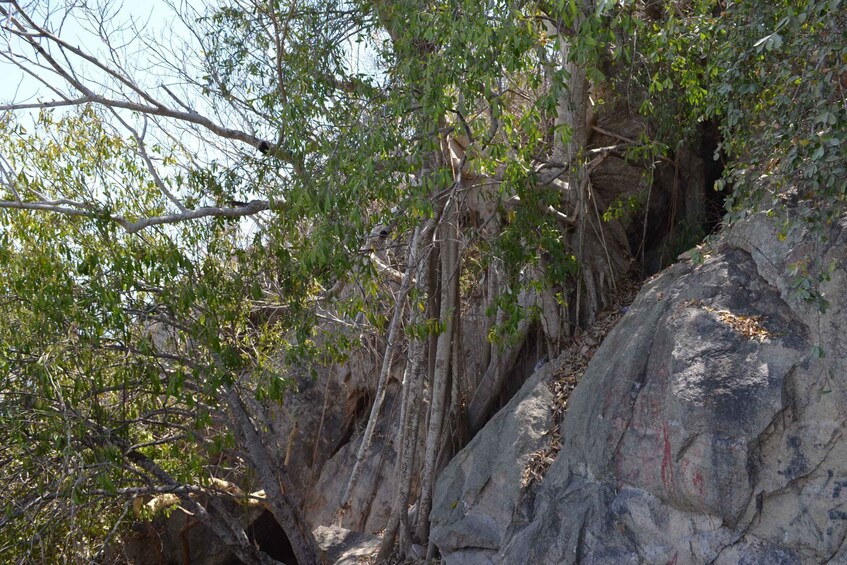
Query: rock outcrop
{"points": [[345, 547], [346, 394], [478, 490], [708, 427]]}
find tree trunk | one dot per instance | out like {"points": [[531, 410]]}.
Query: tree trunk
{"points": [[222, 523], [384, 372], [274, 479], [448, 307], [495, 375], [600, 247], [409, 413]]}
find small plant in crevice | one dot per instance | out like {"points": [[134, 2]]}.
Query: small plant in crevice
{"points": [[807, 279]]}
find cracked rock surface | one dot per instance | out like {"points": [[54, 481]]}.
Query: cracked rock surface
{"points": [[707, 428]]}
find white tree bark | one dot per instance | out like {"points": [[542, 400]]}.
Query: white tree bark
{"points": [[385, 371], [409, 413], [448, 308]]}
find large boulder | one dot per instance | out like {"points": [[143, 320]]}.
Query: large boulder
{"points": [[478, 492], [708, 427]]}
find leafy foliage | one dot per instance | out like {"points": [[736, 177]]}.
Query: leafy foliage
{"points": [[117, 348], [772, 77]]}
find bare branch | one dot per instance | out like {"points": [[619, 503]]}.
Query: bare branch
{"points": [[32, 34], [250, 208], [66, 47], [51, 104], [52, 206], [88, 211], [142, 152], [7, 175]]}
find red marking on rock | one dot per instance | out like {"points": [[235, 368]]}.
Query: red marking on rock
{"points": [[672, 560], [667, 463], [700, 483]]}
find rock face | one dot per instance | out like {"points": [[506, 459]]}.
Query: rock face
{"points": [[707, 428], [373, 495], [333, 434], [477, 492], [344, 547]]}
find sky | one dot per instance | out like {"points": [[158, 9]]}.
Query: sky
{"points": [[154, 18], [133, 21], [148, 15], [130, 23]]}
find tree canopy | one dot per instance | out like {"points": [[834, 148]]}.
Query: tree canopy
{"points": [[186, 215]]}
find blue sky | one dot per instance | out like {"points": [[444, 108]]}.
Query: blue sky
{"points": [[151, 17]]}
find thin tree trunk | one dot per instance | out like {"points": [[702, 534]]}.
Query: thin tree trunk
{"points": [[497, 370], [409, 418], [274, 479], [449, 304], [574, 110], [551, 320], [384, 372]]}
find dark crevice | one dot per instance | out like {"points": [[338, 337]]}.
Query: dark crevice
{"points": [[268, 536], [714, 165], [682, 206], [522, 369], [357, 408]]}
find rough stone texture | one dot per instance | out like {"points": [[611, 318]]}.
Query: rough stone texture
{"points": [[330, 412], [371, 499], [478, 491], [163, 541], [349, 393], [344, 547], [317, 418], [686, 441]]}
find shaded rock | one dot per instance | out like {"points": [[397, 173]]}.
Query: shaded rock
{"points": [[348, 401], [478, 491], [311, 424], [170, 541], [704, 430], [344, 547], [181, 538], [371, 499]]}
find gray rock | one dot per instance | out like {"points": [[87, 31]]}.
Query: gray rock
{"points": [[329, 437], [371, 499], [704, 430], [344, 547], [478, 491]]}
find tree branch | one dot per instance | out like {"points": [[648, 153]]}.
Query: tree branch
{"points": [[88, 211], [148, 106]]}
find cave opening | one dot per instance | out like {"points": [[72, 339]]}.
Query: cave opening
{"points": [[267, 535]]}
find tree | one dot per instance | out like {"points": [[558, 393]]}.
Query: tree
{"points": [[148, 324], [127, 348], [162, 320], [143, 246]]}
